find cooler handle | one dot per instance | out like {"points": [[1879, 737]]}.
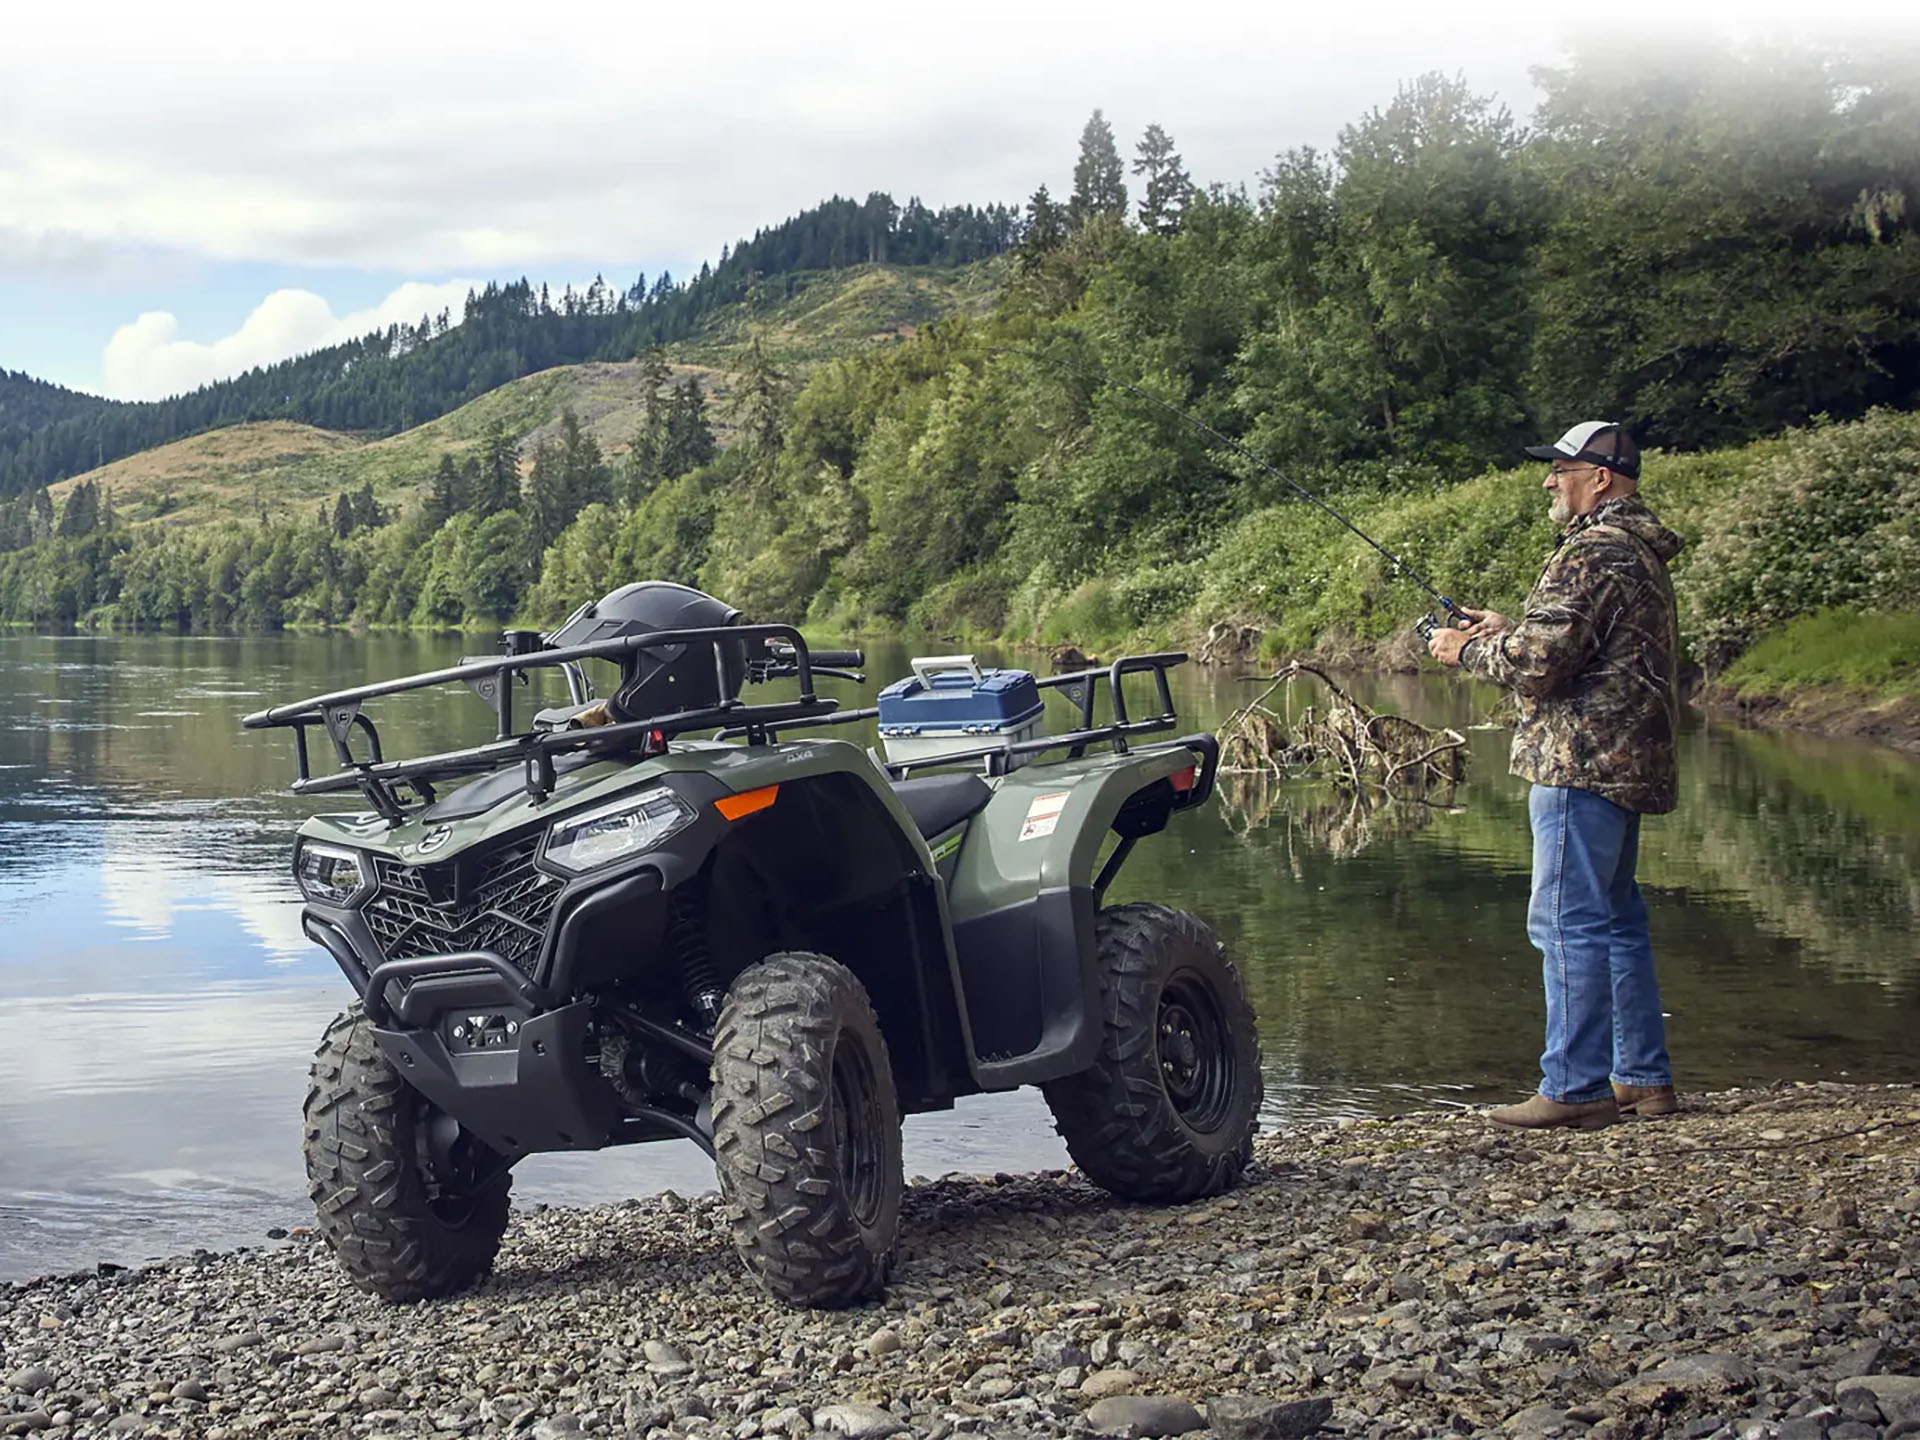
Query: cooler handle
{"points": [[925, 667]]}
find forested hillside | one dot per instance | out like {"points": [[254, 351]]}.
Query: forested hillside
{"points": [[1718, 248], [408, 374]]}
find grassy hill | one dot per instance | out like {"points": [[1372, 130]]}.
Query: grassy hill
{"points": [[280, 467]]}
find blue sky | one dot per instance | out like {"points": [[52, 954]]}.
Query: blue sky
{"points": [[189, 190]]}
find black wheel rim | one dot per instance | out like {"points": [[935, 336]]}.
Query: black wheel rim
{"points": [[453, 1166], [1197, 1061], [857, 1122]]}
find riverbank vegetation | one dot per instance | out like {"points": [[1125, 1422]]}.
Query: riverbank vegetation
{"points": [[1719, 249]]}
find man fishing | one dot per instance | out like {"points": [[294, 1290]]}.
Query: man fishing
{"points": [[1593, 662]]}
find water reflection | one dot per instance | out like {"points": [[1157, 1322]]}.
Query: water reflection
{"points": [[158, 1004]]}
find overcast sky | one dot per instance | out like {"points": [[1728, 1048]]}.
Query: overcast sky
{"points": [[189, 190]]}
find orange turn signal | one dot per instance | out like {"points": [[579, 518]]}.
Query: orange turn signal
{"points": [[735, 807]]}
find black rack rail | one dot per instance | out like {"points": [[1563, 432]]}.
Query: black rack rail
{"points": [[339, 713], [1079, 686]]}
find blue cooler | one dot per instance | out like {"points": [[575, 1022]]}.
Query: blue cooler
{"points": [[950, 706]]}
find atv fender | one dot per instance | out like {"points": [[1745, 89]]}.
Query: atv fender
{"points": [[1024, 897]]}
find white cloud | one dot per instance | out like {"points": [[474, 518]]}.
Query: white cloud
{"points": [[148, 359], [611, 136]]}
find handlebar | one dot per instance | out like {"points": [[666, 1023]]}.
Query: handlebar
{"points": [[853, 658], [849, 658]]}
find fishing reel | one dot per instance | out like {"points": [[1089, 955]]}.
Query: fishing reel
{"points": [[1432, 621]]}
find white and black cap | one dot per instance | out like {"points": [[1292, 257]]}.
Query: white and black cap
{"points": [[1596, 442]]}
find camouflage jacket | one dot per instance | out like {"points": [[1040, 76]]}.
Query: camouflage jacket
{"points": [[1594, 662]]}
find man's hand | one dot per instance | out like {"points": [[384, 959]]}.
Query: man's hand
{"points": [[1448, 641]]}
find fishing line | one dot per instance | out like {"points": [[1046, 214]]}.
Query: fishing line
{"points": [[1399, 565]]}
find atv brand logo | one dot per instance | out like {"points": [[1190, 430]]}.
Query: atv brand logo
{"points": [[433, 840]]}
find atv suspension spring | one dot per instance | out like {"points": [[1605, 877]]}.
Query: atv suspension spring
{"points": [[687, 935]]}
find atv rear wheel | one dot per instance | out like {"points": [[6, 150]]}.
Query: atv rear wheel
{"points": [[413, 1206], [806, 1130], [1168, 1111]]}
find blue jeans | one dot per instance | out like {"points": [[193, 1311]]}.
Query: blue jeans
{"points": [[1590, 925]]}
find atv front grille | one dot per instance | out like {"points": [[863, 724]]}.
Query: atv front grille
{"points": [[506, 909]]}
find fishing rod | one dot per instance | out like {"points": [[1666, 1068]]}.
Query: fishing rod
{"points": [[1427, 623], [1299, 489]]}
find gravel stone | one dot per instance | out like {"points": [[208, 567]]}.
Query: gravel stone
{"points": [[31, 1380], [1242, 1417], [1102, 1383], [1143, 1417], [1406, 1277], [857, 1421]]}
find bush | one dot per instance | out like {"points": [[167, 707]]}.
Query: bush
{"points": [[1823, 520]]}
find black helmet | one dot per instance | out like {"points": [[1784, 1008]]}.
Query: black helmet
{"points": [[672, 677]]}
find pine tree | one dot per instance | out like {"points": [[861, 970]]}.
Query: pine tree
{"points": [[1099, 179], [1168, 185], [367, 514], [641, 471], [544, 502], [342, 517], [499, 481], [757, 407], [443, 496], [1043, 229], [81, 513], [688, 442]]}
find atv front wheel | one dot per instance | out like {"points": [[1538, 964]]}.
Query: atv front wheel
{"points": [[1168, 1111], [806, 1130], [413, 1206]]}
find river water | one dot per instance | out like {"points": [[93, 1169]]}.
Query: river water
{"points": [[158, 1004]]}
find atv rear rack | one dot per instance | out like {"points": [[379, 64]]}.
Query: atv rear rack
{"points": [[339, 713], [1080, 687]]}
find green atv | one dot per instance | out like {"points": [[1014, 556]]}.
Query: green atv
{"points": [[769, 943]]}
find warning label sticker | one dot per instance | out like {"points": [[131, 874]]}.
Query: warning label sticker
{"points": [[1043, 815]]}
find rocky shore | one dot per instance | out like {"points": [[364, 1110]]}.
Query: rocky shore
{"points": [[1745, 1269]]}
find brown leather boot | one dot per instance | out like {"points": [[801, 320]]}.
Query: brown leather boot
{"points": [[1645, 1099], [1540, 1113]]}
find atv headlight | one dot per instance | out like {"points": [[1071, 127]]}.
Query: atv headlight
{"points": [[330, 873], [614, 832]]}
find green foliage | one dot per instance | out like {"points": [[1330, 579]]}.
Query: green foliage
{"points": [[1168, 184], [1099, 179], [1826, 520], [1406, 316], [1875, 654], [1737, 246]]}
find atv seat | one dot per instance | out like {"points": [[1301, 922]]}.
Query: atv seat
{"points": [[939, 802]]}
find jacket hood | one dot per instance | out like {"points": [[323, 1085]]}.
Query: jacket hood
{"points": [[1630, 513]]}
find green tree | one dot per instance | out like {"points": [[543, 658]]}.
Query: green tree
{"points": [[1167, 182], [443, 495], [81, 514], [367, 514], [1738, 242], [1099, 179], [1407, 327], [1044, 228], [642, 468], [757, 408], [499, 480], [688, 440], [342, 516]]}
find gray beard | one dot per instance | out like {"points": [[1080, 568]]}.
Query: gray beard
{"points": [[1559, 512]]}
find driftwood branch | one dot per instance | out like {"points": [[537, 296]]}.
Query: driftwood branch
{"points": [[1369, 762]]}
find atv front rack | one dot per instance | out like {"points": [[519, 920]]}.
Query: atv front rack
{"points": [[381, 780]]}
